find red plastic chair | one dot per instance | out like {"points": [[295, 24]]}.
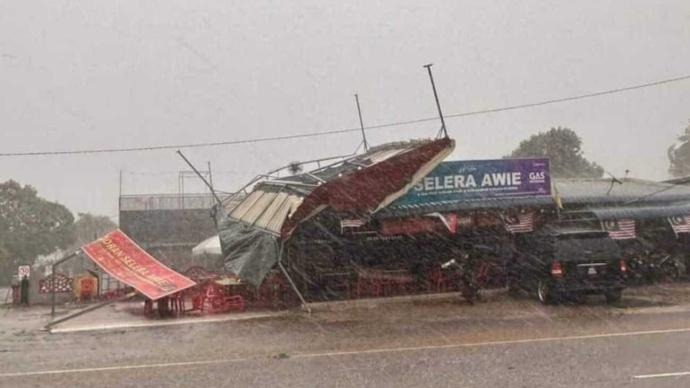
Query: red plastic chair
{"points": [[440, 281], [235, 302], [198, 302]]}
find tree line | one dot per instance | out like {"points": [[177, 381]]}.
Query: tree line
{"points": [[31, 226]]}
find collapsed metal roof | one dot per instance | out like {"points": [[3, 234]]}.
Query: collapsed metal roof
{"points": [[356, 184], [251, 232]]}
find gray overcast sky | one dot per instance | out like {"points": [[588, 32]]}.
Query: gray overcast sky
{"points": [[135, 73]]}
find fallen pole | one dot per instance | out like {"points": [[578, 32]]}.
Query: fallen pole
{"points": [[287, 276], [89, 309], [52, 279]]}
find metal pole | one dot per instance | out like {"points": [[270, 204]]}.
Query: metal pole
{"points": [[287, 276], [201, 177], [361, 124], [210, 175], [119, 200], [52, 290], [438, 104], [180, 183], [88, 309], [52, 280]]}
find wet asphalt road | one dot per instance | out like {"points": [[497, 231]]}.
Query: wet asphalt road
{"points": [[496, 343]]}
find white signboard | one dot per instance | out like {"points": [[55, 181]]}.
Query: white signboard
{"points": [[24, 270]]}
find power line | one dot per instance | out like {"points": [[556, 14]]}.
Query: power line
{"points": [[347, 130], [574, 98]]}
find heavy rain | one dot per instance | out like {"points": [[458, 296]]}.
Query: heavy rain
{"points": [[344, 194]]}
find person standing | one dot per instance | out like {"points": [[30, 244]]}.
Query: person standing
{"points": [[24, 291]]}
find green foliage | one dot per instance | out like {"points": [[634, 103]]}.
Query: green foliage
{"points": [[29, 226], [679, 155], [90, 227], [564, 149]]}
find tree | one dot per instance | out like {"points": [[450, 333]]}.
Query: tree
{"points": [[679, 155], [29, 226], [89, 227], [564, 149]]}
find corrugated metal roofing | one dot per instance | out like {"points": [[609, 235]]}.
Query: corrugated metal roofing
{"points": [[259, 207], [266, 209], [272, 201], [641, 212], [282, 212], [243, 207], [599, 191]]}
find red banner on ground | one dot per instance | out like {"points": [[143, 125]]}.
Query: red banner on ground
{"points": [[122, 258]]}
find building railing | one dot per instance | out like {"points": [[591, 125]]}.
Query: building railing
{"points": [[142, 202]]}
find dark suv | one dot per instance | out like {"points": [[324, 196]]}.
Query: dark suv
{"points": [[557, 263]]}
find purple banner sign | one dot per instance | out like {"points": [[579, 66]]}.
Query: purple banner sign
{"points": [[479, 179]]}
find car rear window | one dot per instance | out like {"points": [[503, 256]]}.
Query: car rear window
{"points": [[582, 249]]}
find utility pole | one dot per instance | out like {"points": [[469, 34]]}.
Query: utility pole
{"points": [[361, 124], [438, 104], [119, 198]]}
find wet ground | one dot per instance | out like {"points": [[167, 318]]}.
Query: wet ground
{"points": [[500, 341]]}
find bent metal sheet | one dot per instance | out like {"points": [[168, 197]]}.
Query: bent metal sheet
{"points": [[122, 258]]}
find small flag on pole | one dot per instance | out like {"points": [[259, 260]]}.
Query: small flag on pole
{"points": [[620, 229], [520, 223], [680, 224]]}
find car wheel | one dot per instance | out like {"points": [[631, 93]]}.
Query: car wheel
{"points": [[545, 292], [613, 296]]}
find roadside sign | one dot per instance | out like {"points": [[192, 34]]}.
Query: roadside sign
{"points": [[481, 179], [127, 262], [23, 270]]}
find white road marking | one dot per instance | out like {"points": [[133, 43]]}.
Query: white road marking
{"points": [[491, 343], [672, 374], [354, 352], [121, 367]]}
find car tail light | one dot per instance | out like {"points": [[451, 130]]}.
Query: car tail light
{"points": [[556, 270], [624, 266]]}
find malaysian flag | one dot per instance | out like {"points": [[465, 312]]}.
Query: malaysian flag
{"points": [[351, 224], [520, 223], [680, 224], [620, 229]]}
